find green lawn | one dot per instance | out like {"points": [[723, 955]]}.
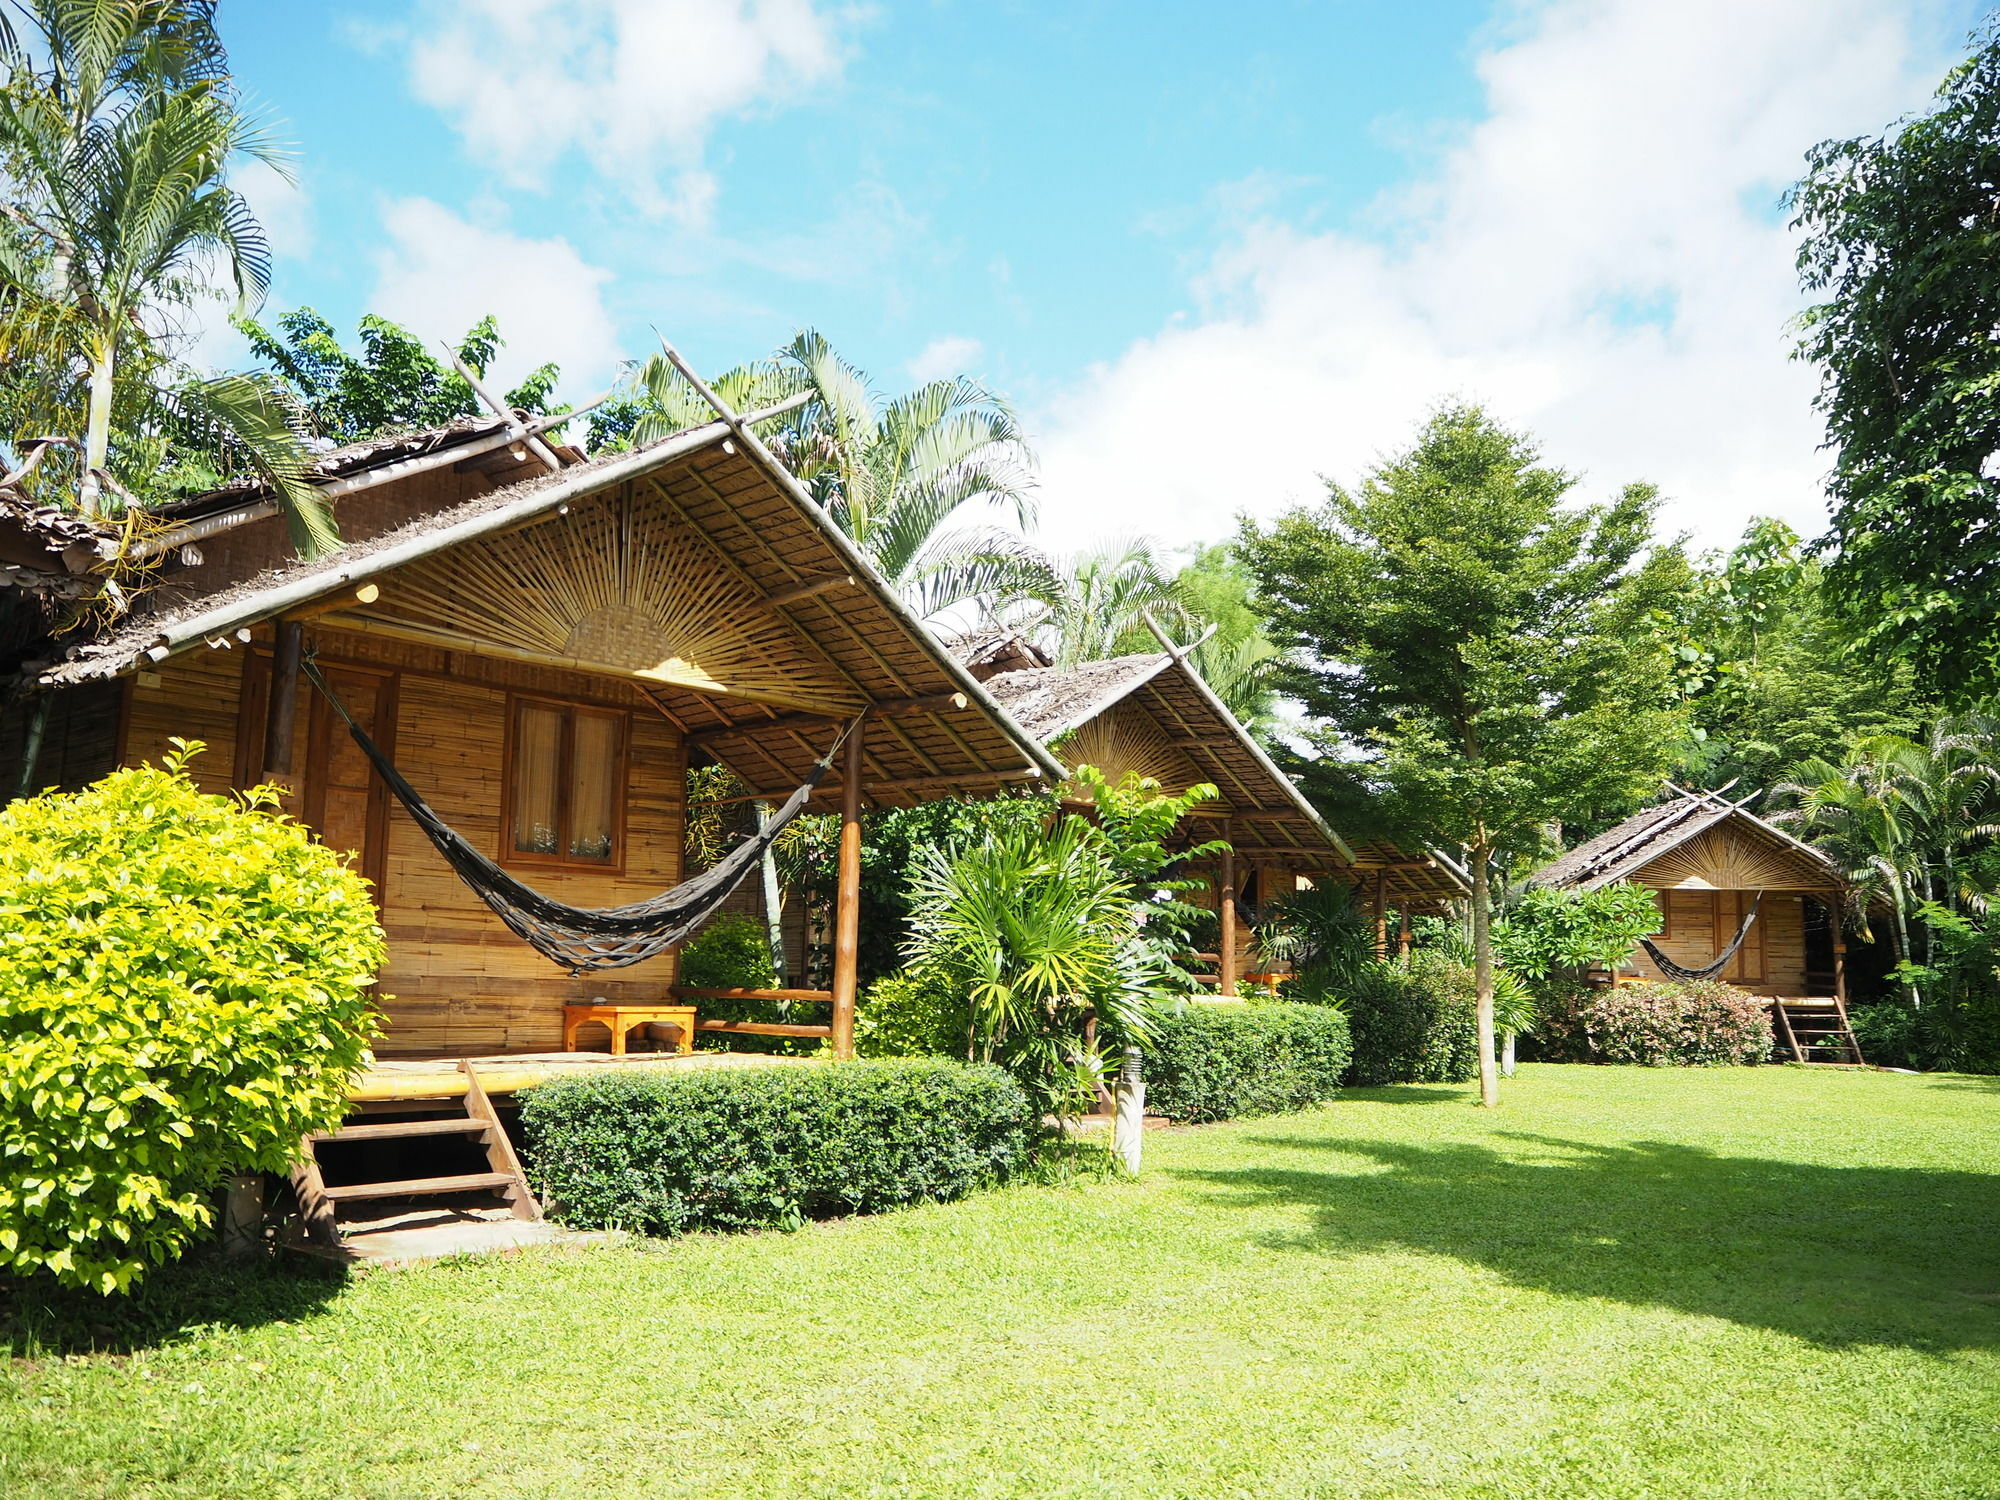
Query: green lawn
{"points": [[1769, 1282]]}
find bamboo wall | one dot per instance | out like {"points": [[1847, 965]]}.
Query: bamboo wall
{"points": [[1700, 923], [457, 983]]}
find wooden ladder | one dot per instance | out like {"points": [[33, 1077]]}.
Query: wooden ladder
{"points": [[319, 1204], [1815, 1024]]}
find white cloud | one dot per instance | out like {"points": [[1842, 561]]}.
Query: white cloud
{"points": [[632, 84], [943, 358], [1599, 259], [283, 208], [439, 274]]}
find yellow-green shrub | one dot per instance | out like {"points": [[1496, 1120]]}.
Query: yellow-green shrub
{"points": [[183, 993]]}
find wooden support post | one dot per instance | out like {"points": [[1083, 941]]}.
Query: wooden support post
{"points": [[1403, 930], [1226, 954], [282, 710], [1379, 905], [847, 898], [1833, 909]]}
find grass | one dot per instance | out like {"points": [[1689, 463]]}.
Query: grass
{"points": [[1772, 1282]]}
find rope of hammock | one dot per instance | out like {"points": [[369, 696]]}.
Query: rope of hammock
{"points": [[1714, 966], [584, 939]]}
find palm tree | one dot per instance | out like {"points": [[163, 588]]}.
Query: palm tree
{"points": [[117, 126], [895, 475], [1094, 604]]}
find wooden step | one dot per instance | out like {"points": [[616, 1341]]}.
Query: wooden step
{"points": [[402, 1130], [420, 1187]]}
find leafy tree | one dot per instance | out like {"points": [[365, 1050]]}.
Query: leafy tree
{"points": [[118, 122], [1769, 669], [394, 384], [1482, 653], [1547, 931], [1214, 588], [1900, 241]]}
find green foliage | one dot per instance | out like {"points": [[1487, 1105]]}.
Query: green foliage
{"points": [[1216, 1060], [1215, 588], [1957, 1027], [733, 952], [1479, 655], [1488, 650], [1704, 1024], [1323, 933], [1036, 930], [1769, 670], [911, 1015], [119, 123], [1899, 243], [666, 1153], [394, 384], [1413, 1022], [183, 992], [1547, 930]]}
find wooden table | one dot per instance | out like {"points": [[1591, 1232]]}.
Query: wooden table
{"points": [[622, 1016]]}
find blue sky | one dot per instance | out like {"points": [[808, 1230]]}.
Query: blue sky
{"points": [[1212, 252]]}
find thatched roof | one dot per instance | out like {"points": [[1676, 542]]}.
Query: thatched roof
{"points": [[1153, 713], [786, 575], [1653, 834]]}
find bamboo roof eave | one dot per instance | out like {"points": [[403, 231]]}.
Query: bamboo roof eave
{"points": [[870, 580]]}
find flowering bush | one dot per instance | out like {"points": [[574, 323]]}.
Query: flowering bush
{"points": [[1706, 1024]]}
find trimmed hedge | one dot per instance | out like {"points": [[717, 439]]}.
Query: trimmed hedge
{"points": [[1215, 1061], [666, 1153], [1705, 1024], [1414, 1022]]}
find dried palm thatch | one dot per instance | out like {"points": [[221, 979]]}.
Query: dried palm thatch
{"points": [[616, 586]]}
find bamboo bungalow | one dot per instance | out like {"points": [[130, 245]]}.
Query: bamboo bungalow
{"points": [[1741, 901], [1152, 713], [538, 641]]}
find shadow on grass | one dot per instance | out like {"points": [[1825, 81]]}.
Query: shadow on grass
{"points": [[1836, 1255], [170, 1304], [1972, 1083], [1406, 1093]]}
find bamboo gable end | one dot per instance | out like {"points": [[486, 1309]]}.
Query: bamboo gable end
{"points": [[687, 593]]}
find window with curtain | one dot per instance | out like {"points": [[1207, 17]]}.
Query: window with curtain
{"points": [[565, 784]]}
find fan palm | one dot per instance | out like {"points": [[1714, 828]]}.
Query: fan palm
{"points": [[117, 126]]}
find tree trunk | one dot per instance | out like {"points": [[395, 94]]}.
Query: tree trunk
{"points": [[97, 434], [1507, 1056], [1910, 992], [774, 910], [1482, 970]]}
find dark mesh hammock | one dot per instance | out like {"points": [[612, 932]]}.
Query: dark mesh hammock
{"points": [[581, 939], [1715, 965]]}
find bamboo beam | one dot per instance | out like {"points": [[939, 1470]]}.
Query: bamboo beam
{"points": [[877, 788], [367, 593], [805, 588], [936, 703], [1227, 903], [281, 711], [847, 899]]}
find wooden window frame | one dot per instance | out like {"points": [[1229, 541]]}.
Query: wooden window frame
{"points": [[1666, 931], [569, 708]]}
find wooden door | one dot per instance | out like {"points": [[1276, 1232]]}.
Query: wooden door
{"points": [[345, 802], [1731, 907]]}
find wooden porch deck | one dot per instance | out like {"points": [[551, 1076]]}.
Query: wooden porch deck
{"points": [[389, 1080]]}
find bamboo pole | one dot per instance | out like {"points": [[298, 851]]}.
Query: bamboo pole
{"points": [[1379, 908], [847, 899], [1833, 914], [1403, 930], [1226, 955], [282, 710]]}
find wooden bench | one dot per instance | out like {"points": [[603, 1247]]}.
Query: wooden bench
{"points": [[621, 1016]]}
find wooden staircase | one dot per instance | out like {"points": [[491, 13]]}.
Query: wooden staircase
{"points": [[1815, 1025], [319, 1205]]}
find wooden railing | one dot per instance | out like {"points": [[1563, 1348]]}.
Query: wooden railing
{"points": [[757, 1028]]}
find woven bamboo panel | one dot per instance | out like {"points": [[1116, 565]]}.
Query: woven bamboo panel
{"points": [[616, 586], [1124, 740], [1722, 859]]}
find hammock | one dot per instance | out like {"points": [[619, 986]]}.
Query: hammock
{"points": [[1715, 965], [578, 938]]}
